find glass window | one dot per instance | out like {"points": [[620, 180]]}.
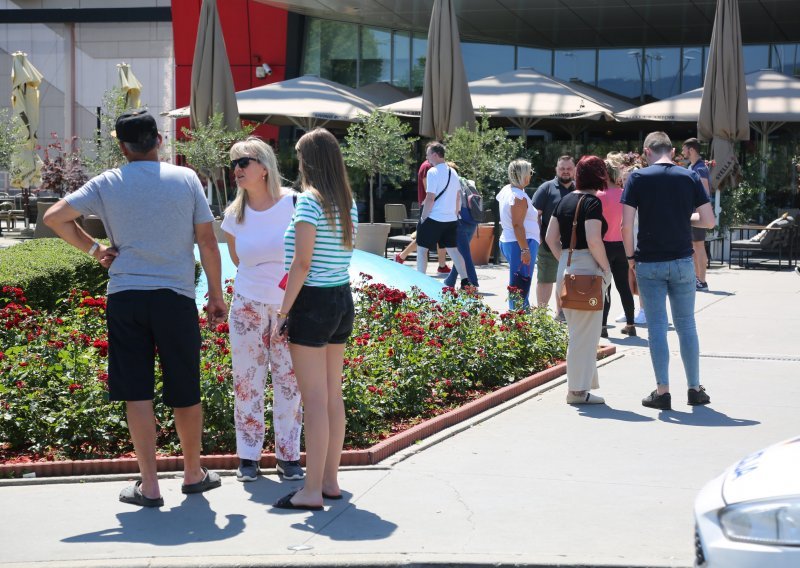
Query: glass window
{"points": [[376, 56], [661, 71], [419, 52], [331, 51], [577, 64], [484, 59], [756, 57], [692, 68], [786, 58], [618, 70], [401, 64], [539, 59]]}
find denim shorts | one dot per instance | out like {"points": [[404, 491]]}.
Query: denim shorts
{"points": [[321, 315]]}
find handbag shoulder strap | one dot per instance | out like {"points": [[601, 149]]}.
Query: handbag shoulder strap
{"points": [[574, 238]]}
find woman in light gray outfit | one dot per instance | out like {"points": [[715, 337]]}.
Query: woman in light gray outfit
{"points": [[588, 257]]}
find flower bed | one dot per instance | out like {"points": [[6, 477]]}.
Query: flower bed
{"points": [[410, 359]]}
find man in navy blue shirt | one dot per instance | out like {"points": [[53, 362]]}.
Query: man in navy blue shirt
{"points": [[691, 151], [670, 200]]}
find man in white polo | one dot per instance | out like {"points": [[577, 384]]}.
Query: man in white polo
{"points": [[438, 221]]}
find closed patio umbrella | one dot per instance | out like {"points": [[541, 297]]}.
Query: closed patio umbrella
{"points": [[130, 85], [723, 117], [26, 163], [446, 102], [212, 89]]}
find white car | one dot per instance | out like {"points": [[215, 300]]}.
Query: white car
{"points": [[750, 515]]}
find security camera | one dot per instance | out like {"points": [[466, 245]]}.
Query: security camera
{"points": [[263, 70]]}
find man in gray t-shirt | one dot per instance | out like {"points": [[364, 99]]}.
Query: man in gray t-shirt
{"points": [[153, 212]]}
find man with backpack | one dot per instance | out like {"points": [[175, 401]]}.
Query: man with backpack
{"points": [[471, 214]]}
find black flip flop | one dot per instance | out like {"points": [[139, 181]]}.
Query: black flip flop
{"points": [[133, 496], [332, 497], [285, 502], [210, 481]]}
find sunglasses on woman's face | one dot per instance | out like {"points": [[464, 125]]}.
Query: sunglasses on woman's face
{"points": [[242, 162]]}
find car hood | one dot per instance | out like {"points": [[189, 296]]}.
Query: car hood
{"points": [[768, 473]]}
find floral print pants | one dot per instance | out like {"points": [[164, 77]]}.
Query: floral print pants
{"points": [[254, 355]]}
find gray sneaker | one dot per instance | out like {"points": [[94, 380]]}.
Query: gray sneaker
{"points": [[248, 470], [290, 469]]}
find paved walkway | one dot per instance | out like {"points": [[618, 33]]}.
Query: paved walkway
{"points": [[534, 483]]}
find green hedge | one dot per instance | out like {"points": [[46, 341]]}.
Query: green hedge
{"points": [[47, 269]]}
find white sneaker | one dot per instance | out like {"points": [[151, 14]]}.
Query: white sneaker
{"points": [[621, 317], [587, 398], [640, 318]]}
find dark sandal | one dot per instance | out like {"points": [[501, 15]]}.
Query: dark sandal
{"points": [[285, 502], [332, 497], [210, 481], [133, 496]]}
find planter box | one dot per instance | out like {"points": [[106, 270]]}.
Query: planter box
{"points": [[368, 456], [482, 243]]}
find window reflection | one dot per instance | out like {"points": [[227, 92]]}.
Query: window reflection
{"points": [[786, 58], [575, 64], [539, 59], [401, 66], [484, 59], [692, 68], [331, 51], [419, 50], [661, 66], [618, 71], [376, 56], [756, 57]]}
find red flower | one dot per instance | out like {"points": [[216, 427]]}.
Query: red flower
{"points": [[74, 386], [223, 328], [23, 363]]}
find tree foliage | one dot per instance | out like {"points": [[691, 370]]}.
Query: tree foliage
{"points": [[107, 152], [379, 144], [11, 136], [483, 154], [206, 147]]}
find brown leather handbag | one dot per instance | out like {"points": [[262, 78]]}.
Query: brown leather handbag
{"points": [[580, 291]]}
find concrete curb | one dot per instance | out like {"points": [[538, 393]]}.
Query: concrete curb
{"points": [[365, 457]]}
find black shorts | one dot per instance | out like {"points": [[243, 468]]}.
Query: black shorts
{"points": [[141, 322], [321, 315], [698, 234], [431, 234]]}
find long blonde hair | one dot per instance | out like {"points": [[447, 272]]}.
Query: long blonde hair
{"points": [[253, 147], [323, 174]]}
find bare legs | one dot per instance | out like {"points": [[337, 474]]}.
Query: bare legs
{"points": [[319, 376], [142, 426], [441, 254], [700, 260]]}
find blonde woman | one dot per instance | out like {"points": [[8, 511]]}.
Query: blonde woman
{"points": [[317, 311], [519, 240], [254, 225]]}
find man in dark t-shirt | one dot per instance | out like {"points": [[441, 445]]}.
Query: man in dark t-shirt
{"points": [[545, 200], [691, 151], [670, 200]]}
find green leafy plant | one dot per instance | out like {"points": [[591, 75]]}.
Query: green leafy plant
{"points": [[206, 149], [11, 135], [379, 144], [107, 154], [410, 358], [483, 154]]}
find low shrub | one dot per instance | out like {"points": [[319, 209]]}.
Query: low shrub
{"points": [[409, 358], [47, 269]]}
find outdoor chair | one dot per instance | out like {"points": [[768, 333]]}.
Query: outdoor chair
{"points": [[778, 237], [395, 214]]}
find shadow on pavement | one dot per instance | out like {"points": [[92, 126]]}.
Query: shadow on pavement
{"points": [[191, 521], [354, 524], [703, 416], [606, 412], [266, 491], [628, 341], [718, 293]]}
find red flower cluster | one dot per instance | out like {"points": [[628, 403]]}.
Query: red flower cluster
{"points": [[74, 386], [102, 345], [98, 302]]}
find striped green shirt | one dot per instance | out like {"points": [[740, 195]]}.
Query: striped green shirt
{"points": [[330, 261]]}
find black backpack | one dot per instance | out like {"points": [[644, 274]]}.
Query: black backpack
{"points": [[471, 203]]}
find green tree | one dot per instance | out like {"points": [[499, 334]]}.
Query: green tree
{"points": [[483, 154], [107, 152], [379, 144], [206, 150], [11, 134]]}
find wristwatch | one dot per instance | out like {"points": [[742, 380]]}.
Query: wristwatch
{"points": [[631, 257]]}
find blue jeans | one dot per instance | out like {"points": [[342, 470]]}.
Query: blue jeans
{"points": [[464, 234], [674, 279], [518, 271]]}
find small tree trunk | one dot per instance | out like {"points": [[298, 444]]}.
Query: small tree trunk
{"points": [[371, 200]]}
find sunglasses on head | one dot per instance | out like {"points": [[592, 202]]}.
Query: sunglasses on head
{"points": [[242, 162]]}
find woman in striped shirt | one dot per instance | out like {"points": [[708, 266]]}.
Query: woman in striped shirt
{"points": [[317, 309]]}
